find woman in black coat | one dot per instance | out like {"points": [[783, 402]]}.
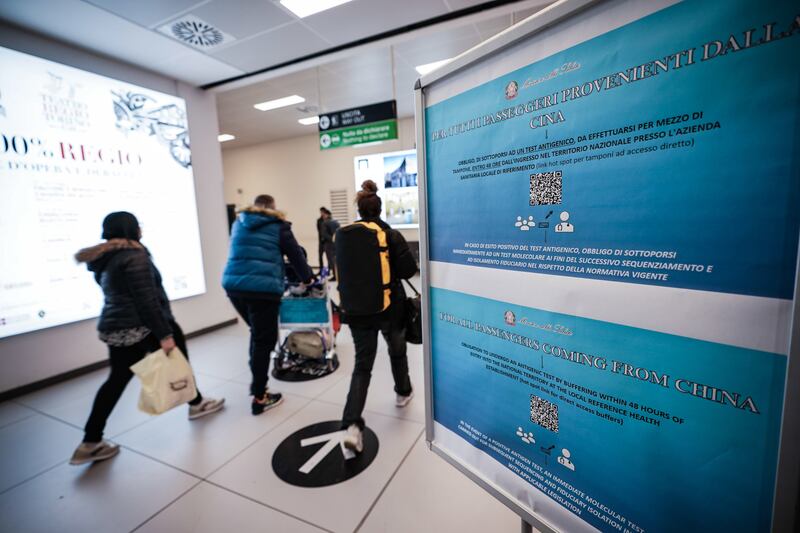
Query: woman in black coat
{"points": [[136, 320]]}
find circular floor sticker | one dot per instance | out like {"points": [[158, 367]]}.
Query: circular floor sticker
{"points": [[315, 457]]}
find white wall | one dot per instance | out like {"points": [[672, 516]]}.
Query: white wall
{"points": [[38, 355], [299, 175]]}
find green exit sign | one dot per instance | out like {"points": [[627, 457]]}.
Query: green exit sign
{"points": [[362, 134], [358, 125]]}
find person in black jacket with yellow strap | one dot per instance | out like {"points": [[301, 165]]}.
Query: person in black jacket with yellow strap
{"points": [[136, 319], [389, 320]]}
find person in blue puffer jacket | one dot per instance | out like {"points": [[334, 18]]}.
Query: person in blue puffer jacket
{"points": [[254, 282]]}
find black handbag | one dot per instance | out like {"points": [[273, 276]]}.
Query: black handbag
{"points": [[413, 316]]}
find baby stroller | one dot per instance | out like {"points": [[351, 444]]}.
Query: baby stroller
{"points": [[308, 325]]}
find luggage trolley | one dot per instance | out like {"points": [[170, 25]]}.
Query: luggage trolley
{"points": [[307, 333]]}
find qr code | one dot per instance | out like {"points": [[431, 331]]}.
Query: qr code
{"points": [[546, 188], [544, 413]]}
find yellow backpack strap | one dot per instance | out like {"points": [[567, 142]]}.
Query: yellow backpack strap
{"points": [[386, 271]]}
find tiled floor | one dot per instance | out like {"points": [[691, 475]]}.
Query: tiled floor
{"points": [[215, 474]]}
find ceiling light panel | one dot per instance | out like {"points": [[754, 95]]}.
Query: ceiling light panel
{"points": [[306, 8], [309, 121], [280, 102], [225, 137]]}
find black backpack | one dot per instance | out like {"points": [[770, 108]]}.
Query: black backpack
{"points": [[362, 267]]}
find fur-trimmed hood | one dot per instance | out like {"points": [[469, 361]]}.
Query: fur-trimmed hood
{"points": [[92, 254], [254, 217], [258, 210]]}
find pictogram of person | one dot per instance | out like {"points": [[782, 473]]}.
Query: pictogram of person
{"points": [[564, 226], [564, 459]]}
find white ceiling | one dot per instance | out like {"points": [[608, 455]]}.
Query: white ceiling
{"points": [[265, 34], [360, 78]]}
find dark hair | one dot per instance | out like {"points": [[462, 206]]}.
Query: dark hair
{"points": [[325, 210], [264, 200], [121, 225], [369, 203]]}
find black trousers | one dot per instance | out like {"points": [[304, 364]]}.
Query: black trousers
{"points": [[262, 317], [365, 339], [122, 358], [330, 253], [327, 249]]}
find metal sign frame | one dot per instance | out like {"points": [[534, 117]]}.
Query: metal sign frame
{"points": [[786, 507]]}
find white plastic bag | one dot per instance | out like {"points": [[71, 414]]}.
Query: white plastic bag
{"points": [[167, 381]]}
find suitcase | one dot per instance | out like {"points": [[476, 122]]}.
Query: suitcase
{"points": [[312, 343]]}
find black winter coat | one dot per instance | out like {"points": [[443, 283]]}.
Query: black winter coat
{"points": [[131, 283]]}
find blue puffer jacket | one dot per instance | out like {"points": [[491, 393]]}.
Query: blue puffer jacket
{"points": [[255, 261]]}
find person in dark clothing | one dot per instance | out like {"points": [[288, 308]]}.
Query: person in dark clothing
{"points": [[321, 235], [136, 320], [254, 281], [326, 229], [389, 322]]}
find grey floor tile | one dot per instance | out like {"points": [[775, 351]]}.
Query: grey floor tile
{"points": [[381, 396], [31, 446], [339, 507], [210, 509], [203, 445], [116, 495], [122, 493], [222, 355], [443, 500], [65, 392], [307, 389], [126, 414], [11, 412]]}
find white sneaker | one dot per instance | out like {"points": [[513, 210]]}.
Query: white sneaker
{"points": [[89, 452], [402, 401], [354, 439], [205, 407]]}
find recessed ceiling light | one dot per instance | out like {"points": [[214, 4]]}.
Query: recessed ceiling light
{"points": [[309, 120], [305, 8], [430, 67], [280, 102], [225, 137], [373, 143]]}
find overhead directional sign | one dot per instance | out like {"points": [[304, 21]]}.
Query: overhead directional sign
{"points": [[358, 125]]}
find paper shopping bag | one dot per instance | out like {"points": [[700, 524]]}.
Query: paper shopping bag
{"points": [[167, 381]]}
